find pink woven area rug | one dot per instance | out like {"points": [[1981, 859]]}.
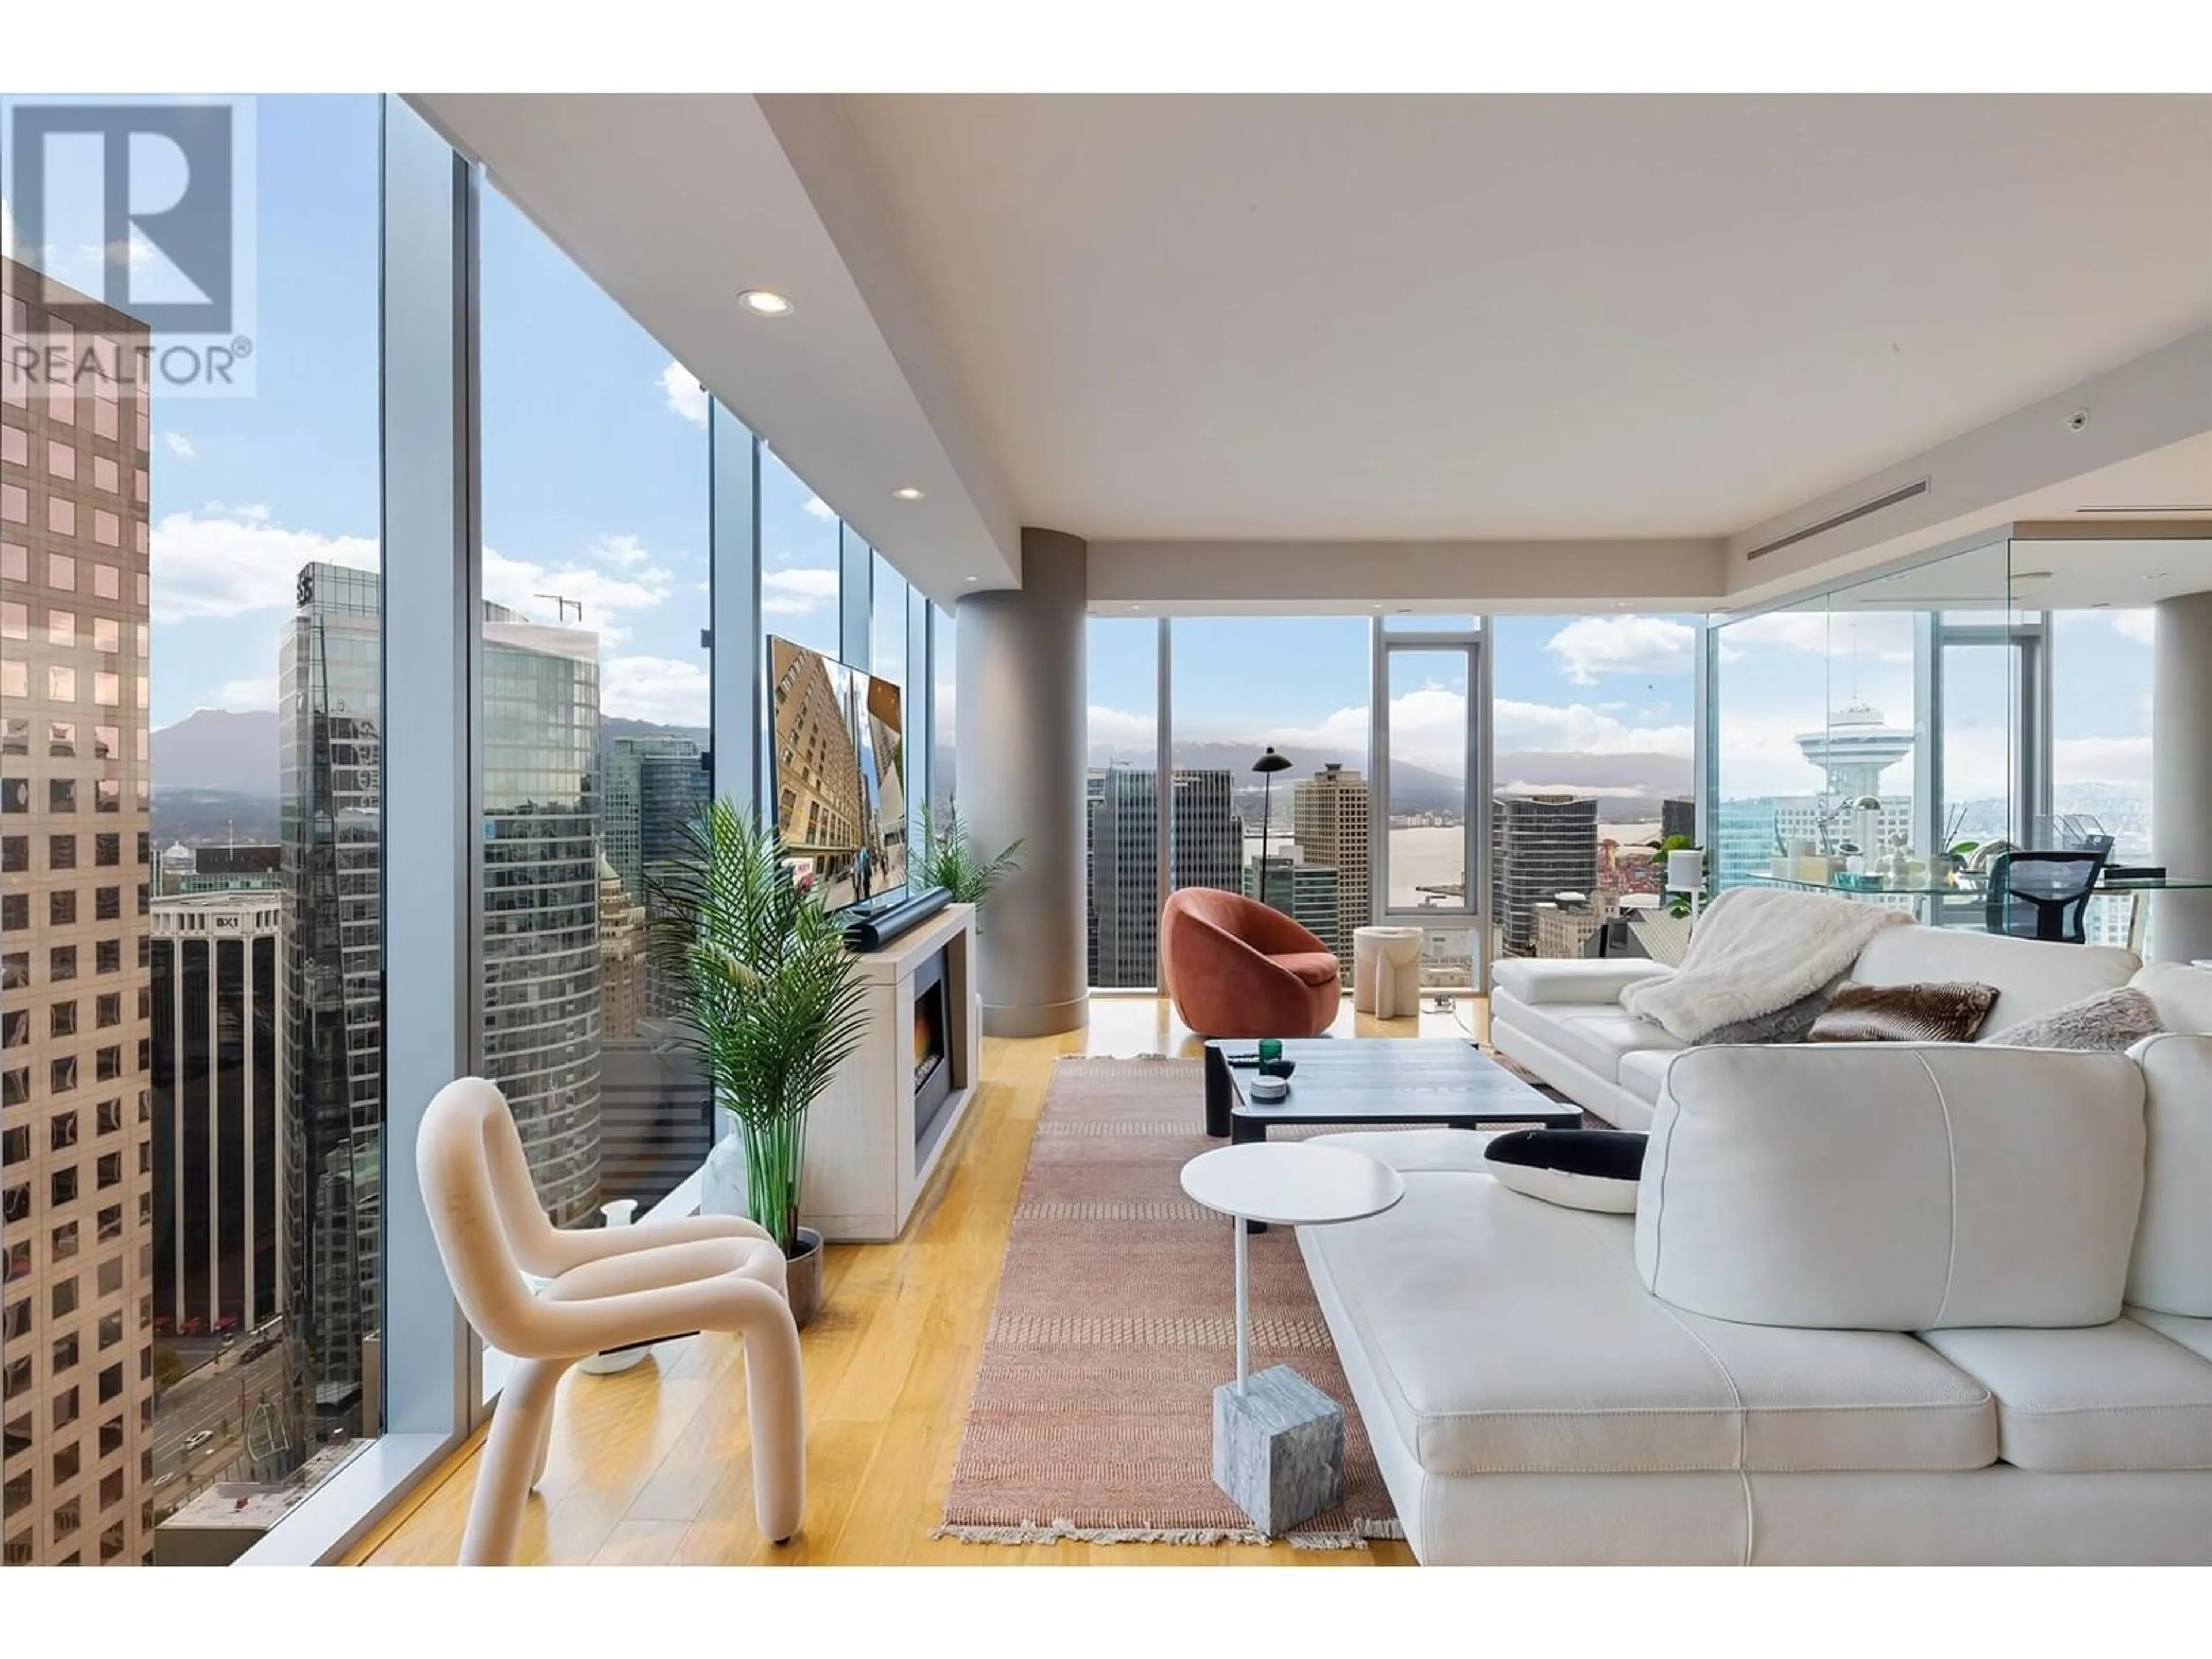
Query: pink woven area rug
{"points": [[1093, 1413]]}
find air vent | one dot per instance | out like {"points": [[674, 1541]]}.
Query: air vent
{"points": [[1834, 522]]}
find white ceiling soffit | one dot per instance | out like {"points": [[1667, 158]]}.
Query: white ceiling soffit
{"points": [[673, 205], [2115, 573], [1213, 319]]}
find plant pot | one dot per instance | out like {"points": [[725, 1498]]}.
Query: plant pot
{"points": [[802, 1277]]}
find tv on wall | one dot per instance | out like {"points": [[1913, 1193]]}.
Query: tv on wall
{"points": [[837, 770]]}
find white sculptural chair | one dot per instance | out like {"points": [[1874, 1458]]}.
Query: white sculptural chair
{"points": [[611, 1288]]}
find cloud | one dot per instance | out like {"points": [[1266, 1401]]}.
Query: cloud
{"points": [[2141, 626], [797, 592], [686, 396], [606, 598], [227, 561], [2099, 760], [1117, 734], [247, 694], [625, 551], [666, 690], [818, 508], [180, 445], [1882, 635], [1591, 645]]}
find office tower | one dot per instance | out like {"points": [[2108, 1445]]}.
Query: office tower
{"points": [[622, 957], [628, 802], [674, 789], [1678, 815], [540, 724], [1329, 823], [245, 867], [1540, 845], [329, 810], [1743, 842], [77, 1390], [1206, 844], [1094, 791], [1307, 893], [217, 1083]]}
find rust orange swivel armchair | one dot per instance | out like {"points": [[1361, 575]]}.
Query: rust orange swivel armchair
{"points": [[1236, 968]]}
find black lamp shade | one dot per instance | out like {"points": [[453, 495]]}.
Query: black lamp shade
{"points": [[1272, 761]]}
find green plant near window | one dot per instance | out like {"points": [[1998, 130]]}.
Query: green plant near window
{"points": [[950, 860], [776, 1004]]}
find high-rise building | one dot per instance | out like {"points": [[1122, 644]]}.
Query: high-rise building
{"points": [[1678, 815], [236, 868], [628, 802], [1094, 792], [673, 789], [217, 1086], [1205, 841], [1307, 893], [1330, 825], [77, 1389], [622, 957], [541, 898], [330, 819], [1540, 845], [539, 722]]}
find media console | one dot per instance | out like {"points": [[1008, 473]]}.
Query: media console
{"points": [[875, 1137]]}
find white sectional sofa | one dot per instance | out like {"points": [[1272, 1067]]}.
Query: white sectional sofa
{"points": [[1563, 1018], [1532, 1400]]}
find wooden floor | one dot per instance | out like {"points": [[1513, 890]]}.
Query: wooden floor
{"points": [[652, 1466]]}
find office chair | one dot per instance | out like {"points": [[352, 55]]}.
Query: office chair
{"points": [[2042, 895]]}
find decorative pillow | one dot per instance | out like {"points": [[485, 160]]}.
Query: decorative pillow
{"points": [[1578, 1169], [2117, 1019], [1788, 1024], [1940, 1012]]}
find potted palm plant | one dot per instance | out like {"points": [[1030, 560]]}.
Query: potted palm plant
{"points": [[950, 859], [775, 1007]]}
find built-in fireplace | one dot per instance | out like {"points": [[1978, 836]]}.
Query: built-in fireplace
{"points": [[933, 1060]]}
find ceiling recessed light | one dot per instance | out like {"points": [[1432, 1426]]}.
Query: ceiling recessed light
{"points": [[967, 579], [765, 302], [906, 492]]}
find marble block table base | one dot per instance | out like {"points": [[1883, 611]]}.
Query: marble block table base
{"points": [[1278, 1448]]}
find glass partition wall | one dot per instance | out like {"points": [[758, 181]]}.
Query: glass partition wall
{"points": [[1892, 731]]}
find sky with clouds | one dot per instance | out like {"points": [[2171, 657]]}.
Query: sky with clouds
{"points": [[595, 454]]}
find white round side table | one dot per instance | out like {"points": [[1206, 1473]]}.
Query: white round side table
{"points": [[1278, 1440], [1285, 1183]]}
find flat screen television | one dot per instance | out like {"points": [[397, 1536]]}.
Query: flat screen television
{"points": [[837, 770]]}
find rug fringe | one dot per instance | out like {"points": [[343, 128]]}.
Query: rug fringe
{"points": [[1030, 1532]]}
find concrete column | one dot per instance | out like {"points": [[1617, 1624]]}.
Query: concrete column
{"points": [[1018, 714], [2181, 773]]}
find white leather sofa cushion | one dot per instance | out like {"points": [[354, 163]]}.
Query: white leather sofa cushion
{"points": [[2032, 977], [2194, 1334], [1505, 1333], [1601, 1037], [1643, 1073], [1537, 980], [2172, 1270], [1426, 1151], [1902, 1186], [2117, 1396], [2182, 995]]}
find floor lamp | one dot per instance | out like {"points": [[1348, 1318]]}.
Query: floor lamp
{"points": [[1267, 765]]}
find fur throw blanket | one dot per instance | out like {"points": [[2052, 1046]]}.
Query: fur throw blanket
{"points": [[1755, 950]]}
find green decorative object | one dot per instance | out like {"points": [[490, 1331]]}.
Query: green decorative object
{"points": [[950, 859], [775, 1003]]}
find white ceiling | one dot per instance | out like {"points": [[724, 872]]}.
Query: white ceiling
{"points": [[1462, 321], [1486, 317]]}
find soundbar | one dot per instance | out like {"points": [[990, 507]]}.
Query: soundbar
{"points": [[870, 926]]}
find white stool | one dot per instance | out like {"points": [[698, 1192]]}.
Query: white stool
{"points": [[1386, 971]]}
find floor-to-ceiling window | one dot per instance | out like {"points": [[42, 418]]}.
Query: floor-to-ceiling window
{"points": [[2100, 770], [943, 661], [188, 575], [593, 719], [1120, 811], [799, 576], [1289, 828]]}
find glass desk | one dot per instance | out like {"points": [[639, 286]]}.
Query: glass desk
{"points": [[1958, 902]]}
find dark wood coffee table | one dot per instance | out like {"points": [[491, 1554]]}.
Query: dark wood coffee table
{"points": [[1353, 1081]]}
